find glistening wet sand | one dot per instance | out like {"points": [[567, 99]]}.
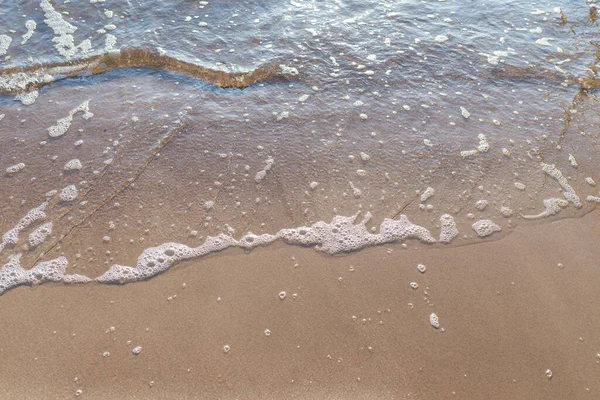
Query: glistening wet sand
{"points": [[509, 312]]}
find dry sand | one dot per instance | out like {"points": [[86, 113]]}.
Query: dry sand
{"points": [[507, 310]]}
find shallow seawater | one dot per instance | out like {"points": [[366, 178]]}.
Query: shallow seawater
{"points": [[156, 135]]}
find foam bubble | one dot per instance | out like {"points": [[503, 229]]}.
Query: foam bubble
{"points": [[288, 70], [552, 206], [485, 227], [427, 193], [30, 25], [63, 38], [448, 229], [573, 161], [481, 205], [506, 211], [590, 181], [136, 350], [12, 236], [340, 235], [73, 164], [5, 42], [466, 114], [434, 321], [39, 235], [569, 192], [15, 168], [260, 175], [68, 193], [12, 274], [483, 146], [594, 199], [63, 124], [421, 268], [27, 98]]}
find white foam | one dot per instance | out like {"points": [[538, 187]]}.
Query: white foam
{"points": [[260, 175], [27, 98], [63, 39], [483, 146], [506, 211], [12, 274], [434, 321], [590, 181], [30, 25], [485, 227], [73, 164], [448, 229], [5, 42], [552, 206], [35, 214], [63, 124], [463, 111], [573, 161], [39, 235], [427, 193], [340, 235], [15, 168], [481, 205], [594, 199], [569, 192], [288, 70], [68, 193]]}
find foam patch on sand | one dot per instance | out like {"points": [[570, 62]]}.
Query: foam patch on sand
{"points": [[569, 192], [12, 236], [340, 235], [63, 124], [12, 274]]}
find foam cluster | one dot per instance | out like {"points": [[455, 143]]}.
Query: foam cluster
{"points": [[12, 236], [552, 207], [68, 193], [12, 274], [63, 124], [63, 33], [340, 235], [72, 165], [569, 192], [27, 98], [156, 260], [39, 235], [448, 229], [13, 169], [485, 227], [427, 193], [482, 147], [30, 25], [5, 42], [260, 175]]}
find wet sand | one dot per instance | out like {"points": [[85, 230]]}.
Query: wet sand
{"points": [[507, 309]]}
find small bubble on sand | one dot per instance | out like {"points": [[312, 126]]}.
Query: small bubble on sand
{"points": [[137, 350], [466, 114], [15, 168], [226, 348], [434, 321], [422, 268]]}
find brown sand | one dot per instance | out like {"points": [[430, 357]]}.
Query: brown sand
{"points": [[509, 313]]}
